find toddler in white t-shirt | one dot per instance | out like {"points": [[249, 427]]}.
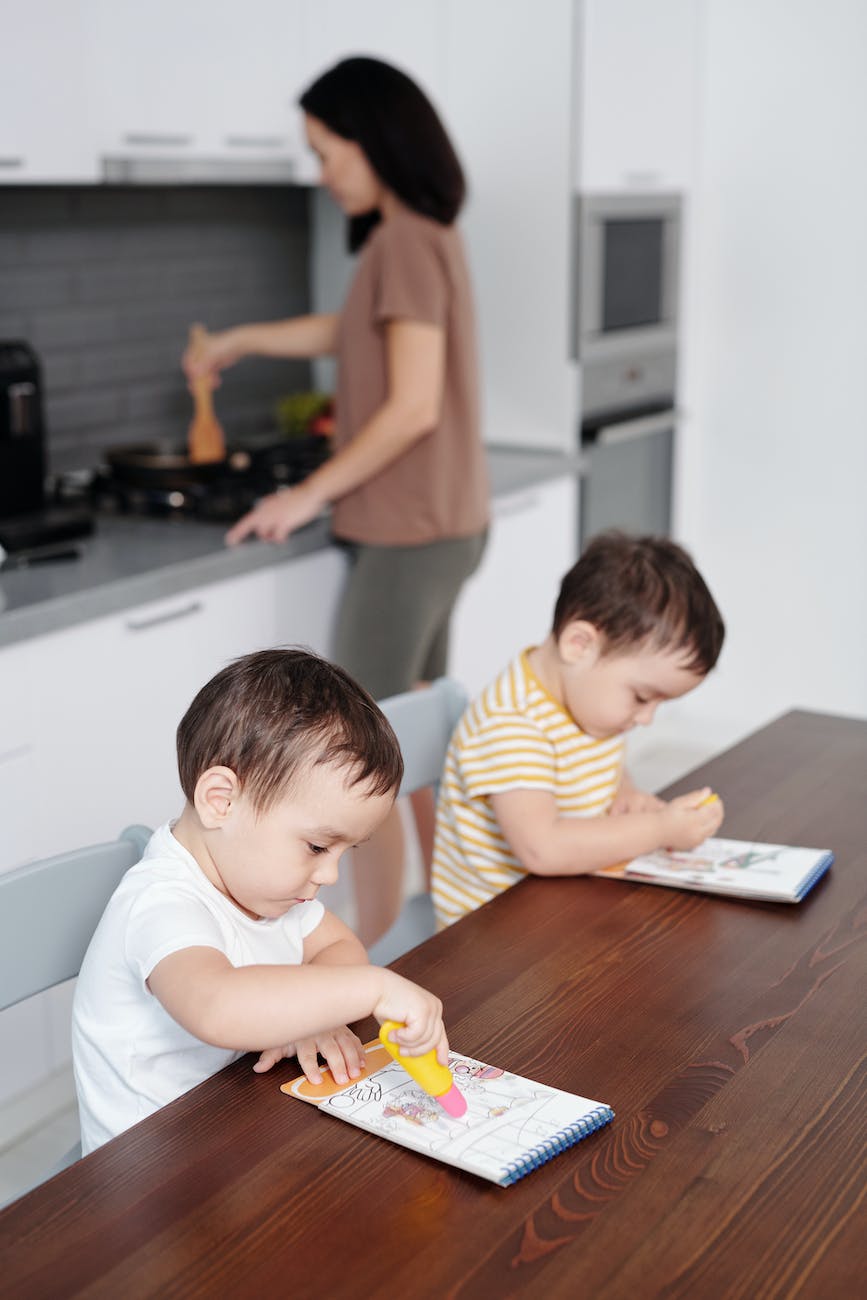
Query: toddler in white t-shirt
{"points": [[215, 943]]}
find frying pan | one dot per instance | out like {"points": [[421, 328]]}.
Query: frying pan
{"points": [[166, 466]]}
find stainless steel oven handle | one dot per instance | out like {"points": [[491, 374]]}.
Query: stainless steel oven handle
{"points": [[630, 430]]}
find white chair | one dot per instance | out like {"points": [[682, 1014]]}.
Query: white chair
{"points": [[48, 913], [423, 722]]}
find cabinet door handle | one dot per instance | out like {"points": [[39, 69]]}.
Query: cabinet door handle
{"points": [[169, 616], [164, 139], [255, 142], [10, 164], [10, 755]]}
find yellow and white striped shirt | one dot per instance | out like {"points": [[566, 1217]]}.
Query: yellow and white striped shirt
{"points": [[514, 736]]}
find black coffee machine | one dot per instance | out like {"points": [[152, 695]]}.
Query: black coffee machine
{"points": [[25, 520]]}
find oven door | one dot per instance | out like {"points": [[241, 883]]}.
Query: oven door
{"points": [[626, 480]]}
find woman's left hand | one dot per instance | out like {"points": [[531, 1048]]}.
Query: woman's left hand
{"points": [[277, 515]]}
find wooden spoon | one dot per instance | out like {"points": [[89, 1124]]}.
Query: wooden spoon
{"points": [[206, 441]]}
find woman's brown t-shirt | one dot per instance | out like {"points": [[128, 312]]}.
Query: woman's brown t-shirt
{"points": [[412, 268]]}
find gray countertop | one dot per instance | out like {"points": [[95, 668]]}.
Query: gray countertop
{"points": [[130, 561]]}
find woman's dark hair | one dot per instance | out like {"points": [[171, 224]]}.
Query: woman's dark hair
{"points": [[275, 713], [642, 591], [400, 133]]}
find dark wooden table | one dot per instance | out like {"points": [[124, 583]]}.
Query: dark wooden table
{"points": [[729, 1037]]}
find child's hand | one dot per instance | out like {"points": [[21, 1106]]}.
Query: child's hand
{"points": [[343, 1052], [688, 821], [420, 1013], [629, 799]]}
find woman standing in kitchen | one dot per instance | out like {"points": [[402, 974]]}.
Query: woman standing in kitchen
{"points": [[407, 483]]}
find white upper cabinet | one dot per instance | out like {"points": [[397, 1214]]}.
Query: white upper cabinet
{"points": [[407, 35], [637, 100], [44, 121], [193, 81], [508, 103]]}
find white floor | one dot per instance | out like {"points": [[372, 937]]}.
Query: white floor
{"points": [[37, 1129]]}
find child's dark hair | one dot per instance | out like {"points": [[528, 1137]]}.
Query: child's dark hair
{"points": [[642, 591], [273, 713], [397, 127]]}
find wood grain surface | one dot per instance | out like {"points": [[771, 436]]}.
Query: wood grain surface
{"points": [[729, 1037]]}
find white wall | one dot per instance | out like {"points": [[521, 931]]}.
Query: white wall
{"points": [[773, 469]]}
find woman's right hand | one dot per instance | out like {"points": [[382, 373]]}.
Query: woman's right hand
{"points": [[419, 1012], [210, 353]]}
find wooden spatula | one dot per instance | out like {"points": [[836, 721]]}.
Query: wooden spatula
{"points": [[206, 441]]}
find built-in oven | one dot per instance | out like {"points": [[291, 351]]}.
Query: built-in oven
{"points": [[626, 258], [627, 470]]}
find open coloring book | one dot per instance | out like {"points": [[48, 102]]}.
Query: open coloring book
{"points": [[774, 873], [511, 1126]]}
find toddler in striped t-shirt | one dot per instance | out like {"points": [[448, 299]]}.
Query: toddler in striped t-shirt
{"points": [[534, 779]]}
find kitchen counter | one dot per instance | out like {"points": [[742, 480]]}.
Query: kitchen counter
{"points": [[130, 561]]}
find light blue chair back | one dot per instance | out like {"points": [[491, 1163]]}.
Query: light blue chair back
{"points": [[423, 722], [50, 909], [48, 913]]}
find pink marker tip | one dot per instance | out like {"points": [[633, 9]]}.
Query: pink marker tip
{"points": [[453, 1102]]}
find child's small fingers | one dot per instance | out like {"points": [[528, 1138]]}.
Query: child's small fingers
{"points": [[443, 1048], [308, 1059]]}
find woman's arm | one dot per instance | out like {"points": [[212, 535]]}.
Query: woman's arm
{"points": [[301, 336], [416, 371], [550, 845]]}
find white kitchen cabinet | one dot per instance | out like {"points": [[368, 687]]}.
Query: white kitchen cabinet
{"points": [[88, 715], [508, 103], [407, 35], [637, 95], [95, 748], [44, 120], [307, 596], [197, 80], [508, 604]]}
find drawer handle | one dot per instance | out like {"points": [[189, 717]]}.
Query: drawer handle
{"points": [[144, 138], [170, 615], [10, 755], [255, 142], [11, 163]]}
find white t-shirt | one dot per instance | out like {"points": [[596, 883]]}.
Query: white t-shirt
{"points": [[130, 1057]]}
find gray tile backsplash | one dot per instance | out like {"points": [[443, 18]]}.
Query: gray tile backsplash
{"points": [[104, 282]]}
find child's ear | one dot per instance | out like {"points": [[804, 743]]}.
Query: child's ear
{"points": [[579, 643], [215, 791]]}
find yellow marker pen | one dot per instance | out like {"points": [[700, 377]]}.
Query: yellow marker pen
{"points": [[436, 1079]]}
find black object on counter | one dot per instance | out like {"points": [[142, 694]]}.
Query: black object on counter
{"points": [[44, 555], [22, 432], [46, 527]]}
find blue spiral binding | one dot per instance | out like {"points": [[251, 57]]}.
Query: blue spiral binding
{"points": [[550, 1147]]}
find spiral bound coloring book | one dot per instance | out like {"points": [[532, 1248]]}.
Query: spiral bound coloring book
{"points": [[511, 1126]]}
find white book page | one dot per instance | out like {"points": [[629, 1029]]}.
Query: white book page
{"points": [[507, 1116], [731, 866]]}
